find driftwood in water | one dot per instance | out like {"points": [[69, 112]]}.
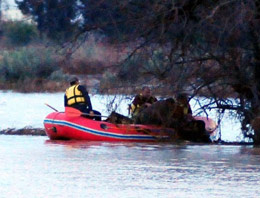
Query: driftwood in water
{"points": [[23, 131]]}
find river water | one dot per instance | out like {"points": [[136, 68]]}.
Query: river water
{"points": [[19, 110], [37, 167], [34, 166]]}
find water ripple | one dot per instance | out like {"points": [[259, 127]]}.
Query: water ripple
{"points": [[37, 167]]}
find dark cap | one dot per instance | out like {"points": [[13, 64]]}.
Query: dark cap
{"points": [[181, 96], [73, 79]]}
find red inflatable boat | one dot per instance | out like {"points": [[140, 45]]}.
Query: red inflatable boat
{"points": [[59, 125]]}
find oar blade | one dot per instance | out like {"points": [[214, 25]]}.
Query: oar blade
{"points": [[72, 112]]}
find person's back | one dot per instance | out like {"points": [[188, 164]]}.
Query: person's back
{"points": [[190, 127], [182, 110], [76, 96]]}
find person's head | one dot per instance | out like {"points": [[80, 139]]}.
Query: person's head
{"points": [[183, 98], [74, 80], [146, 91]]}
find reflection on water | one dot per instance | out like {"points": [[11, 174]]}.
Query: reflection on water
{"points": [[38, 167]]}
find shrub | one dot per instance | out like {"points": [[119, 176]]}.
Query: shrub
{"points": [[27, 63], [20, 33], [58, 76]]}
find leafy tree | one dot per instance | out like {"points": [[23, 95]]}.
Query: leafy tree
{"points": [[55, 17]]}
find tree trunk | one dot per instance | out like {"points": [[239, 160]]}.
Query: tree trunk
{"points": [[1, 31], [0, 10], [256, 127], [257, 137]]}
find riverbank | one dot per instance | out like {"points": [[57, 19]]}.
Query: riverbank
{"points": [[34, 86]]}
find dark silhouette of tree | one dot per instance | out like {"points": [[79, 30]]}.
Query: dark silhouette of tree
{"points": [[57, 18], [1, 31], [0, 10]]}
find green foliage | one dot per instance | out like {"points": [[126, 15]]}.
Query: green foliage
{"points": [[20, 33], [27, 64], [58, 76]]}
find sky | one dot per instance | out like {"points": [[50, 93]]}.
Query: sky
{"points": [[9, 4], [10, 11]]}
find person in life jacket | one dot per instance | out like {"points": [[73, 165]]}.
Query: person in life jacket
{"points": [[182, 114], [141, 101], [183, 109], [76, 96]]}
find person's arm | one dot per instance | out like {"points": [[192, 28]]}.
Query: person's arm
{"points": [[155, 99], [135, 103], [189, 110], [86, 96], [65, 101], [150, 101], [136, 100], [189, 116]]}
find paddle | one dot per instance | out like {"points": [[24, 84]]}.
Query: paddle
{"points": [[70, 111], [51, 107]]}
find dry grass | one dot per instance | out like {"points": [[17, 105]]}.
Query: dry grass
{"points": [[36, 85], [94, 58]]}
